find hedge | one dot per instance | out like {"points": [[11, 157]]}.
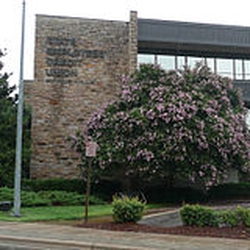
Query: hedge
{"points": [[153, 193], [48, 198], [239, 190], [103, 189], [197, 215]]}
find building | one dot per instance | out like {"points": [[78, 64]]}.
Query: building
{"points": [[79, 63]]}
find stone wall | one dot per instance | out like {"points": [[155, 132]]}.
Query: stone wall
{"points": [[78, 66], [133, 41]]}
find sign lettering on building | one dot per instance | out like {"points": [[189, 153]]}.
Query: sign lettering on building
{"points": [[64, 58]]}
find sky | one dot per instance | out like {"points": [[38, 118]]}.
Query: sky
{"points": [[211, 11]]}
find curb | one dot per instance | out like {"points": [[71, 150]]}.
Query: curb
{"points": [[10, 243]]}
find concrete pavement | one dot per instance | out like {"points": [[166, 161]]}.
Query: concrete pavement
{"points": [[170, 218], [37, 236]]}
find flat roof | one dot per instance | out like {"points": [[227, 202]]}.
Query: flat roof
{"points": [[197, 39]]}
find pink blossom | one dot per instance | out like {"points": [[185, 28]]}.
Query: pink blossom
{"points": [[160, 107]]}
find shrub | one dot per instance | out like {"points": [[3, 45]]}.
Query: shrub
{"points": [[244, 215], [6, 194], [69, 185], [103, 188], [196, 215], [127, 209], [28, 198], [247, 219], [48, 198], [32, 199], [230, 190], [228, 218], [185, 194], [62, 198]]}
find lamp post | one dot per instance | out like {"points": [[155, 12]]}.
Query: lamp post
{"points": [[19, 132]]}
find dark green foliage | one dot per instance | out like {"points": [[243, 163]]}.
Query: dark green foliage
{"points": [[104, 189], [228, 218], [230, 191], [48, 198], [227, 191], [154, 193], [6, 194], [243, 215], [8, 113], [62, 198], [247, 220], [161, 193], [127, 209], [69, 185], [196, 215], [32, 199], [29, 199], [185, 194]]}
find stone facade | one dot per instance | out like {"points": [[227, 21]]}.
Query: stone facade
{"points": [[133, 41], [78, 67]]}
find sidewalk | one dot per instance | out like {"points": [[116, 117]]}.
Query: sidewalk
{"points": [[37, 236]]}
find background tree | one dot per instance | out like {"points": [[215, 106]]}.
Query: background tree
{"points": [[8, 114], [188, 123]]}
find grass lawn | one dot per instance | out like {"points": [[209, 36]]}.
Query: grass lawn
{"points": [[56, 213]]}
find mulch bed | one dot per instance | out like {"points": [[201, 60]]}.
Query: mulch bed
{"points": [[240, 232]]}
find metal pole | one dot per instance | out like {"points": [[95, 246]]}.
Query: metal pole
{"points": [[18, 170], [88, 186]]}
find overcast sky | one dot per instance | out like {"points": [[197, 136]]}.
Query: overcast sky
{"points": [[211, 11]]}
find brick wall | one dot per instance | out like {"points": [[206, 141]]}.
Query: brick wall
{"points": [[133, 41], [78, 66]]}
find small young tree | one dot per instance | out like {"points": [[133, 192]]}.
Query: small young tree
{"points": [[188, 123], [8, 113]]}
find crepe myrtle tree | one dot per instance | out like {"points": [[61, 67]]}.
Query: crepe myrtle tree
{"points": [[188, 123]]}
